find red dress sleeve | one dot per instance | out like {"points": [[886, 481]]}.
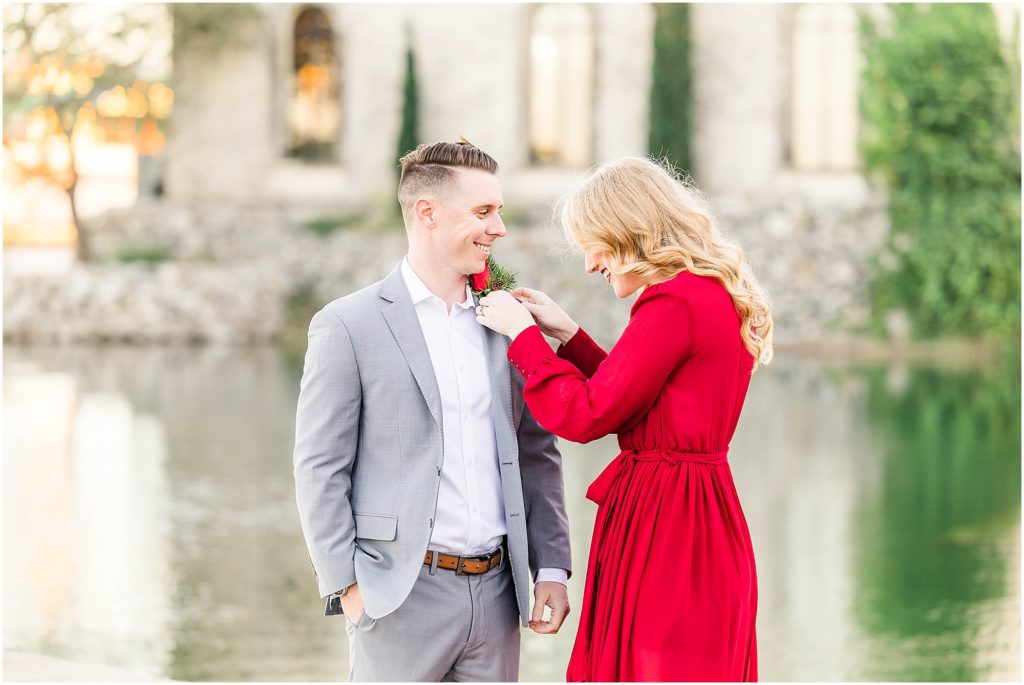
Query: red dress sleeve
{"points": [[583, 352], [624, 385]]}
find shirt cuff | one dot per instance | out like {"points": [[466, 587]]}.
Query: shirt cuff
{"points": [[529, 350], [558, 575]]}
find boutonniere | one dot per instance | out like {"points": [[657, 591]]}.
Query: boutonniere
{"points": [[493, 277]]}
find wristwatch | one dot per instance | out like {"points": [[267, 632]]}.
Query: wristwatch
{"points": [[334, 603]]}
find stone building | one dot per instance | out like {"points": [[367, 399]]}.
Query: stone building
{"points": [[303, 112], [547, 89]]}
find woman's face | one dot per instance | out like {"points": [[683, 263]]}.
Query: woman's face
{"points": [[624, 286]]}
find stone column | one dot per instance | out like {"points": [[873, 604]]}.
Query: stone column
{"points": [[625, 58], [220, 140], [740, 87], [472, 76]]}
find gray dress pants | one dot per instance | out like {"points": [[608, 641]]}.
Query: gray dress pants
{"points": [[451, 627]]}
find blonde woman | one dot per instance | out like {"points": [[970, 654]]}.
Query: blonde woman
{"points": [[671, 589]]}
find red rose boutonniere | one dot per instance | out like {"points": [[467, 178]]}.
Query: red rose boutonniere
{"points": [[493, 277]]}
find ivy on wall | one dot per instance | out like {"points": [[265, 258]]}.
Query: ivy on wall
{"points": [[940, 117], [671, 112], [211, 26]]}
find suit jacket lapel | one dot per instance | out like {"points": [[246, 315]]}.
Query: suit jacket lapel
{"points": [[400, 316]]}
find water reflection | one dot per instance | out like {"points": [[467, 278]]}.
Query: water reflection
{"points": [[938, 539], [151, 520], [178, 467]]}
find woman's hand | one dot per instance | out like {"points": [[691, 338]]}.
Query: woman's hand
{"points": [[548, 315], [501, 312]]}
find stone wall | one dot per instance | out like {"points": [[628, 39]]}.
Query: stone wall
{"points": [[238, 275]]}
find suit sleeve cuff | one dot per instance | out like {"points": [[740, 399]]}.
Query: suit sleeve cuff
{"points": [[529, 350], [557, 575], [331, 583]]}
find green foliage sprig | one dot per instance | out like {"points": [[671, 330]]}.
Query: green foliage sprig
{"points": [[940, 116], [500, 279]]}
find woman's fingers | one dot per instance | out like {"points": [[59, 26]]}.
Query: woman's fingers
{"points": [[525, 292], [530, 307], [535, 296]]}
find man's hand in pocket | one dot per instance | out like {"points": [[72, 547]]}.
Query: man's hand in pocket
{"points": [[352, 603]]}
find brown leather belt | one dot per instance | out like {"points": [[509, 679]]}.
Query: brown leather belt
{"points": [[465, 565]]}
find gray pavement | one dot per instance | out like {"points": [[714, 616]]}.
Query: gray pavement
{"points": [[32, 668]]}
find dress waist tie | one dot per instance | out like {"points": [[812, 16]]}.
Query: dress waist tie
{"points": [[602, 485]]}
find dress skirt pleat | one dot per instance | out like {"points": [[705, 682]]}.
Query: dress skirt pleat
{"points": [[672, 592]]}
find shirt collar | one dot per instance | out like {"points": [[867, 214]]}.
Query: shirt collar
{"points": [[419, 291]]}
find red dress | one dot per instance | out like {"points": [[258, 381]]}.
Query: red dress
{"points": [[671, 590]]}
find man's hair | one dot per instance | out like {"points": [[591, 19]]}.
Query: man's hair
{"points": [[431, 169]]}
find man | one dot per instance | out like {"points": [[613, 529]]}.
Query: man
{"points": [[425, 488]]}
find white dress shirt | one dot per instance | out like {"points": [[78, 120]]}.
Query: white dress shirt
{"points": [[470, 517]]}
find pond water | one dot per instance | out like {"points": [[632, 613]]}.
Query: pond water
{"points": [[150, 518]]}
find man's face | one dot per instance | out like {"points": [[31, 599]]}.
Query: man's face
{"points": [[468, 223]]}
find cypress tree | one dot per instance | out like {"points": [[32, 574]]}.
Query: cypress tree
{"points": [[409, 134]]}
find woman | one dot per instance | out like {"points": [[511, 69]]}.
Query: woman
{"points": [[671, 590]]}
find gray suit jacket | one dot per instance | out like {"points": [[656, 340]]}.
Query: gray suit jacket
{"points": [[368, 452]]}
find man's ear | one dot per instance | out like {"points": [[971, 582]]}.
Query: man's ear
{"points": [[424, 211]]}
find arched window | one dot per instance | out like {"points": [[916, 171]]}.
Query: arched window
{"points": [[561, 85], [314, 111], [823, 111]]}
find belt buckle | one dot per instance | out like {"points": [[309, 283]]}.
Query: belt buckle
{"points": [[462, 560]]}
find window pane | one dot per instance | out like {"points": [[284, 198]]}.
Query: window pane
{"points": [[824, 118], [314, 112], [561, 85]]}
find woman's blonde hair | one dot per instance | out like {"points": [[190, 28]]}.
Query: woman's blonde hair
{"points": [[652, 223]]}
